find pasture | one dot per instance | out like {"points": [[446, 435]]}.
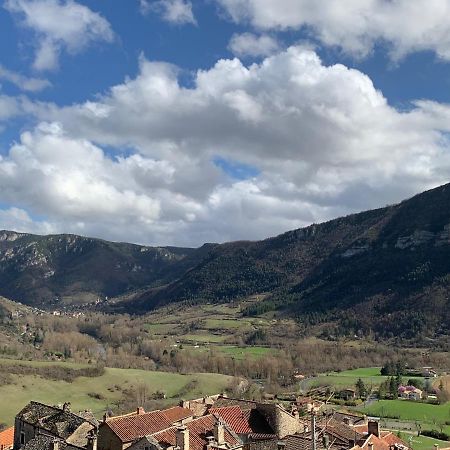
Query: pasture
{"points": [[109, 387]]}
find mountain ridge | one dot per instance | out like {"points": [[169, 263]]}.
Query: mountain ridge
{"points": [[368, 272]]}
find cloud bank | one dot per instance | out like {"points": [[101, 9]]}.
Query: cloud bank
{"points": [[404, 26], [313, 142]]}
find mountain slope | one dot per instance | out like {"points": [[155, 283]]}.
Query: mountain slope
{"points": [[59, 269], [385, 271]]}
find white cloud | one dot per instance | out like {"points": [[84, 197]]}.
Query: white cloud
{"points": [[60, 25], [172, 11], [249, 44], [324, 142], [406, 26], [22, 82]]}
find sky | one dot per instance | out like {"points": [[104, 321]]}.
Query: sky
{"points": [[177, 122]]}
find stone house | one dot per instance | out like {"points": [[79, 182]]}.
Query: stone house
{"points": [[120, 432], [44, 427], [204, 433]]}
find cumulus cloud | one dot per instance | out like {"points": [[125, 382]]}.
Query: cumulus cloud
{"points": [[317, 141], [405, 26], [59, 25], [249, 44], [172, 11], [22, 82]]}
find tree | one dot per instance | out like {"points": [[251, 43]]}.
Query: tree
{"points": [[360, 388]]}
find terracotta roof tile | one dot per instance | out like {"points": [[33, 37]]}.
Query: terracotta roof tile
{"points": [[177, 413], [132, 427], [7, 438], [234, 417], [199, 429]]}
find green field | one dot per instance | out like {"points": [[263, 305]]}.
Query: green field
{"points": [[431, 417], [424, 442], [110, 386], [245, 352], [202, 338], [348, 378]]}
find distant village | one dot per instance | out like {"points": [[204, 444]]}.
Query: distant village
{"points": [[211, 423]]}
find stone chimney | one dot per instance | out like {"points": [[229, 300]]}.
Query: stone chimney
{"points": [[219, 432], [209, 442], [281, 445], [66, 407], [373, 427], [370, 445], [346, 421], [140, 411], [55, 445], [182, 438], [185, 404], [91, 440]]}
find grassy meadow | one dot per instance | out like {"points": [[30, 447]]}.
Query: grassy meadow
{"points": [[108, 388]]}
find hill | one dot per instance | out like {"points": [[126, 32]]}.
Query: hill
{"points": [[385, 272], [51, 271]]}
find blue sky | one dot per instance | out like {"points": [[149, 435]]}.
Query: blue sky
{"points": [[180, 122]]}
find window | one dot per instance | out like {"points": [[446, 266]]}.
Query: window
{"points": [[22, 437]]}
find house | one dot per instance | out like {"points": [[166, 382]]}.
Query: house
{"points": [[307, 404], [429, 372], [278, 420], [409, 393], [248, 424], [347, 394], [119, 432], [7, 439], [44, 427], [204, 433]]}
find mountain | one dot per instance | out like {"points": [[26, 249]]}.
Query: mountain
{"points": [[385, 272], [49, 271]]}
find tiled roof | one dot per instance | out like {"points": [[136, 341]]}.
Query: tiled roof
{"points": [[177, 413], [243, 404], [392, 439], [199, 429], [362, 429], [243, 422], [43, 442], [7, 438], [128, 428], [234, 418], [52, 419], [340, 430]]}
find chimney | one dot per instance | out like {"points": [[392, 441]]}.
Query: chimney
{"points": [[436, 446], [219, 432], [182, 438], [370, 445], [55, 445], [185, 404], [66, 407], [373, 427], [346, 421], [91, 440], [140, 411], [281, 445], [209, 442]]}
